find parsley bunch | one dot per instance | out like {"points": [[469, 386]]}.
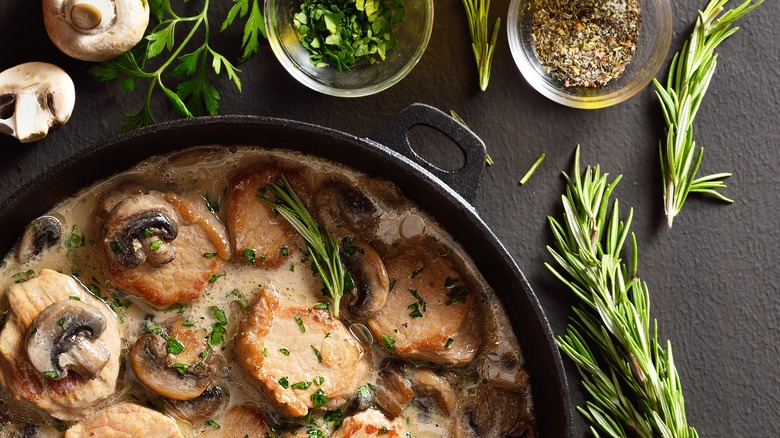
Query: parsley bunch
{"points": [[342, 32], [192, 58]]}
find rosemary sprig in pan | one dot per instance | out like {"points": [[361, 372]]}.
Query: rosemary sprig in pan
{"points": [[689, 76], [323, 248], [482, 43], [632, 381]]}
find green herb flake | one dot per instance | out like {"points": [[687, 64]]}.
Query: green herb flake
{"points": [[284, 351], [334, 417], [383, 431], [531, 170], [292, 267], [449, 342], [285, 251], [265, 352], [301, 385], [319, 380], [209, 255], [300, 323], [215, 277], [148, 232], [249, 255], [180, 368], [317, 353], [174, 346], [61, 321], [284, 382], [212, 424], [417, 271], [319, 398], [217, 334], [177, 307], [51, 374], [321, 306], [188, 323], [219, 314], [392, 286], [74, 298], [389, 342], [114, 244], [155, 245]]}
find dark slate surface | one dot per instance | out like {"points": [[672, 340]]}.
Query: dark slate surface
{"points": [[713, 278]]}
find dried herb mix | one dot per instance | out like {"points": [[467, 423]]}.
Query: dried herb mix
{"points": [[585, 43]]}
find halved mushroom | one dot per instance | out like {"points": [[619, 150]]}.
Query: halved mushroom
{"points": [[64, 337], [34, 98], [399, 384], [370, 278], [138, 229], [341, 205], [157, 367], [501, 410], [42, 233], [202, 407], [95, 30]]}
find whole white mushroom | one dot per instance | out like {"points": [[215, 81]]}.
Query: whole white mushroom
{"points": [[34, 98], [95, 30]]}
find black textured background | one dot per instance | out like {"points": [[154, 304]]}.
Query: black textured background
{"points": [[713, 279]]}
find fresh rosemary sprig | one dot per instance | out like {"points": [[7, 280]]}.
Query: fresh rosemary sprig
{"points": [[322, 246], [196, 95], [633, 385], [482, 43], [689, 76]]}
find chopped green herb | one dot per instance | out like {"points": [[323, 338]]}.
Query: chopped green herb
{"points": [[284, 382], [178, 307], [213, 424], [155, 245], [74, 298], [51, 374], [204, 354], [334, 417], [383, 431], [415, 310], [174, 346], [115, 246], [301, 385], [156, 329], [389, 342], [284, 351], [181, 368], [456, 293], [76, 239], [319, 380], [148, 232], [531, 170], [392, 286], [417, 271], [292, 267], [449, 342], [321, 306], [188, 323], [219, 314], [217, 334], [319, 398], [209, 255], [215, 277], [300, 323], [285, 251], [249, 255], [61, 321], [317, 353], [363, 393], [265, 352]]}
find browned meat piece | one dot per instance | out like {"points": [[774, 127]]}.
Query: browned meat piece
{"points": [[240, 421], [300, 358], [126, 420], [74, 396], [256, 227], [430, 303], [159, 252], [193, 209], [371, 423]]}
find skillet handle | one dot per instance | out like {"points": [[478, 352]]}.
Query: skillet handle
{"points": [[395, 135]]}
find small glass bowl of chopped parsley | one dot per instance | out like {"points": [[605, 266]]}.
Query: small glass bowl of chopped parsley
{"points": [[589, 53], [349, 48]]}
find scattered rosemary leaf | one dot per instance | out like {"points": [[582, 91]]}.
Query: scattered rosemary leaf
{"points": [[531, 170]]}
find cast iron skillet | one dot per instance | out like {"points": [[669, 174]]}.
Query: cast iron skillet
{"points": [[447, 195]]}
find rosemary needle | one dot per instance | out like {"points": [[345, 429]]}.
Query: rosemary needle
{"points": [[531, 170], [690, 73], [631, 379]]}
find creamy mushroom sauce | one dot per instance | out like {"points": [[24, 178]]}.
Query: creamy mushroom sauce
{"points": [[208, 169]]}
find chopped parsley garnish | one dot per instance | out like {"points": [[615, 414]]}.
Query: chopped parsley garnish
{"points": [[213, 424], [319, 380], [417, 271], [363, 393], [215, 277], [284, 382], [217, 334], [249, 254], [61, 322], [265, 352], [115, 246], [456, 293], [417, 308], [155, 245], [219, 314], [317, 353], [285, 251], [449, 342], [209, 255], [51, 374], [174, 346], [300, 323], [74, 298], [284, 351], [334, 417], [148, 232], [188, 323], [392, 286], [321, 306], [178, 307], [301, 385], [389, 342], [180, 368], [292, 267], [319, 398], [383, 431]]}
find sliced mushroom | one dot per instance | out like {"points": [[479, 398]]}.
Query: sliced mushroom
{"points": [[501, 410], [40, 235], [34, 98], [155, 368], [95, 30], [138, 229], [202, 407], [370, 278], [63, 338], [428, 384], [339, 204], [394, 391]]}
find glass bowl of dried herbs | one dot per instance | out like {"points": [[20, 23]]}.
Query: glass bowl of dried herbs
{"points": [[589, 53], [348, 48]]}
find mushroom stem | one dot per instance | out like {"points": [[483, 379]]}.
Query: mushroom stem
{"points": [[33, 122], [85, 357], [89, 14]]}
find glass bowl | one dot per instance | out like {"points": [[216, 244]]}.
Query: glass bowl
{"points": [[652, 46], [363, 79]]}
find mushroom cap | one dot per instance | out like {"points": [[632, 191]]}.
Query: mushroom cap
{"points": [[34, 97], [122, 25]]}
